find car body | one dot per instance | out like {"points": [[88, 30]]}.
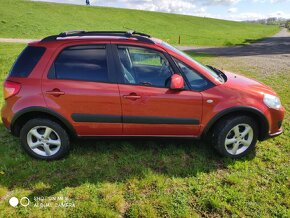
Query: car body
{"points": [[143, 87]]}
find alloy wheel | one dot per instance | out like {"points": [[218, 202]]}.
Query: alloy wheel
{"points": [[239, 138], [43, 140]]}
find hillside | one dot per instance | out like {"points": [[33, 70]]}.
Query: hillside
{"points": [[26, 19]]}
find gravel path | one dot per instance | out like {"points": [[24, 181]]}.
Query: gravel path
{"points": [[277, 44], [269, 56], [16, 40]]}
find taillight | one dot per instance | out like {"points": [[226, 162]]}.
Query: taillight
{"points": [[11, 89]]}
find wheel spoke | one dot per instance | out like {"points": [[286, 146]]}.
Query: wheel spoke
{"points": [[47, 132], [246, 142], [54, 142], [47, 149], [246, 131], [236, 131], [35, 144], [35, 133], [235, 148], [230, 141]]}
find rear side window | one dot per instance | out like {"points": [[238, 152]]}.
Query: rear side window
{"points": [[87, 63], [26, 61]]}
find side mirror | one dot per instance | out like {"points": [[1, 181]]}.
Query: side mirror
{"points": [[176, 82]]}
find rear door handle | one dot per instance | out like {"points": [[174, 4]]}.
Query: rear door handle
{"points": [[132, 96], [55, 92]]}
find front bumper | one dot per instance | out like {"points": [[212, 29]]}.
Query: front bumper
{"points": [[272, 135]]}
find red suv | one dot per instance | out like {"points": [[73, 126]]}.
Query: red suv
{"points": [[79, 84]]}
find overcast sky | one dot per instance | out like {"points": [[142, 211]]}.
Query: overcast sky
{"points": [[224, 9]]}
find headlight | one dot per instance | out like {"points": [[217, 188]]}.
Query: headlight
{"points": [[272, 101]]}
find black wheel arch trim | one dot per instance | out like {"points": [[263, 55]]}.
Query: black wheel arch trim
{"points": [[43, 110], [264, 127]]}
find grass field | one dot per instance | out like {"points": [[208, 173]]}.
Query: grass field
{"points": [[149, 178], [25, 19]]}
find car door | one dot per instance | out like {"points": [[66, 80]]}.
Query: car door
{"points": [[149, 107], [81, 86]]}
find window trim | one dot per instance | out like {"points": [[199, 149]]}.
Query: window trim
{"points": [[109, 58], [187, 86], [185, 78], [117, 61]]}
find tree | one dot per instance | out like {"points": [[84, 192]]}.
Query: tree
{"points": [[287, 25]]}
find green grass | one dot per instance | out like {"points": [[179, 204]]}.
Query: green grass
{"points": [[24, 19], [149, 178]]}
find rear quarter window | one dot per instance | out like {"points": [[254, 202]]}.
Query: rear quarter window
{"points": [[26, 61]]}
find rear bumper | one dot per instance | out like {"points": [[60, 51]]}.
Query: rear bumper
{"points": [[5, 116], [5, 121], [6, 125]]}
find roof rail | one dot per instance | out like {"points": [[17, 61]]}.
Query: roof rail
{"points": [[129, 34]]}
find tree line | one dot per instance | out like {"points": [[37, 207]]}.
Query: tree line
{"points": [[282, 22]]}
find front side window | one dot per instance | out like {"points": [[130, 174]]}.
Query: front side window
{"points": [[210, 71], [196, 81], [87, 63], [143, 66]]}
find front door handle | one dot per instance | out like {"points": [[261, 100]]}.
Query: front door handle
{"points": [[55, 92], [132, 96]]}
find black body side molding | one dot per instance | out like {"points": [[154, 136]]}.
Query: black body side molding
{"points": [[96, 118], [160, 120], [104, 118]]}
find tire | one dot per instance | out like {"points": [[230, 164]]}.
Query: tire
{"points": [[235, 136], [44, 139]]}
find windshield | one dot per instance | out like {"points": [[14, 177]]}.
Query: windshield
{"points": [[183, 54]]}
